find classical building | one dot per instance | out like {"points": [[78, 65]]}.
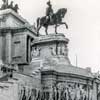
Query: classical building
{"points": [[37, 67]]}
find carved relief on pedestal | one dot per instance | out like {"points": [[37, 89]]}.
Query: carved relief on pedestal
{"points": [[35, 52], [72, 91], [62, 50], [3, 20], [98, 92], [29, 93], [53, 51]]}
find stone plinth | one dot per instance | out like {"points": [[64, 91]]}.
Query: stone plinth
{"points": [[50, 55], [50, 50]]}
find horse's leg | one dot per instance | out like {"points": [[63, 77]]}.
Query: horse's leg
{"points": [[64, 24], [46, 28], [38, 30], [56, 28]]}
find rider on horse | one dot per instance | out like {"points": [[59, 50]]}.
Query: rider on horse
{"points": [[49, 11]]}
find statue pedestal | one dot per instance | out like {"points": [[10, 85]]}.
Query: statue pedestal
{"points": [[51, 50]]}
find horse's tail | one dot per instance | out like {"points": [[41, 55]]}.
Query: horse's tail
{"points": [[38, 22]]}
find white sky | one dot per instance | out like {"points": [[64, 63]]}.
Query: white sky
{"points": [[83, 19]]}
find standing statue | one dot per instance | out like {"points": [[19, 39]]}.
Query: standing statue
{"points": [[51, 19], [11, 5], [15, 8], [4, 5]]}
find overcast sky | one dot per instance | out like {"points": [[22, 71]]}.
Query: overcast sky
{"points": [[83, 19]]}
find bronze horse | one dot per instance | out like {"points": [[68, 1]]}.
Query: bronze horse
{"points": [[56, 20]]}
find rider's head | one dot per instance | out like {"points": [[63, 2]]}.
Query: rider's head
{"points": [[49, 3], [12, 2]]}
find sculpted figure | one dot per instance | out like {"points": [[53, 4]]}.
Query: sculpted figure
{"points": [[78, 96], [59, 50], [11, 5], [35, 52], [53, 51], [64, 50], [24, 94], [51, 18], [84, 93], [49, 11], [4, 5], [15, 8], [73, 93]]}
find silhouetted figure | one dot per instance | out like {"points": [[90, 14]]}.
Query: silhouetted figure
{"points": [[4, 5], [15, 8], [24, 95], [11, 5], [49, 11]]}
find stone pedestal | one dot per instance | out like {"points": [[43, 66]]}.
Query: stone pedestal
{"points": [[57, 73], [51, 50]]}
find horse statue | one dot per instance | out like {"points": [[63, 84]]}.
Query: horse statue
{"points": [[56, 20]]}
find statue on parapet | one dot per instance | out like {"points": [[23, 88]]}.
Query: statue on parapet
{"points": [[5, 5], [51, 18], [11, 5], [16, 8]]}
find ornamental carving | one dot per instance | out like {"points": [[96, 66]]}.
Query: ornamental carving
{"points": [[53, 51], [72, 91], [35, 52], [62, 50]]}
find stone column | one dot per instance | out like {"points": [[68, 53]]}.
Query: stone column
{"points": [[8, 47]]}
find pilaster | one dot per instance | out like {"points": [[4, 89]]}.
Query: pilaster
{"points": [[94, 90], [8, 47]]}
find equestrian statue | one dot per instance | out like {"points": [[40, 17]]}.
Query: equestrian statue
{"points": [[51, 18]]}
